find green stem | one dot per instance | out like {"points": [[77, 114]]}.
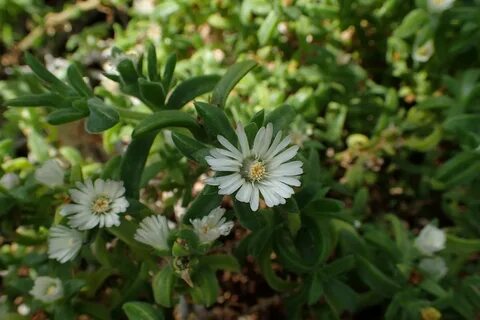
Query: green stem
{"points": [[133, 115]]}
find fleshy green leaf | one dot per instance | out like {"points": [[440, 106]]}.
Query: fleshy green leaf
{"points": [[190, 89], [215, 121], [165, 119], [190, 148], [267, 28], [142, 311], [152, 92], [102, 116], [76, 80], [206, 201], [168, 72], [233, 75], [163, 284], [281, 117]]}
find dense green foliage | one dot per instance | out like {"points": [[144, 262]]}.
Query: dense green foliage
{"points": [[382, 97]]}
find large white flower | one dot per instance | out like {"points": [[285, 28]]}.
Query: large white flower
{"points": [[439, 5], [265, 168], [50, 173], [212, 226], [96, 204], [430, 240], [153, 231], [64, 243], [434, 267], [47, 289]]}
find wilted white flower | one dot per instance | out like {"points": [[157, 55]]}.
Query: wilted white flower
{"points": [[50, 173], [265, 168], [212, 226], [153, 231], [430, 240], [9, 180], [434, 267], [424, 52], [47, 289], [439, 5], [96, 204], [64, 243]]}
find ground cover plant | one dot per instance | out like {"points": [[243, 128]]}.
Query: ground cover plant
{"points": [[194, 159]]}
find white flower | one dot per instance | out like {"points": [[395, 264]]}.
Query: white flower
{"points": [[64, 243], [9, 181], [96, 204], [47, 289], [424, 52], [50, 173], [430, 240], [212, 226], [434, 267], [439, 5], [23, 309], [265, 168], [153, 231]]}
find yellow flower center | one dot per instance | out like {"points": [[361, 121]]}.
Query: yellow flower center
{"points": [[101, 205], [257, 171], [51, 290], [430, 313], [205, 229]]}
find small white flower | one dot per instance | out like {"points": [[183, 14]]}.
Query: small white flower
{"points": [[439, 5], [212, 226], [23, 309], [9, 181], [430, 240], [50, 173], [153, 231], [64, 243], [47, 289], [265, 168], [96, 204], [434, 267], [424, 52]]}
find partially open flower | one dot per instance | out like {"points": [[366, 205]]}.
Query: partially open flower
{"points": [[64, 243], [430, 240], [50, 173], [439, 5], [153, 231], [265, 168], [96, 204], [212, 226], [424, 52], [47, 289], [434, 267]]}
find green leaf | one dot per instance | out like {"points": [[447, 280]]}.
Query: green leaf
{"points": [[36, 100], [288, 254], [102, 116], [152, 63], [463, 123], [281, 117], [221, 262], [190, 89], [273, 280], [39, 69], [340, 266], [248, 219], [152, 92], [315, 288], [168, 72], [133, 163], [258, 118], [76, 80], [215, 121], [142, 311], [205, 287], [266, 30], [411, 23], [128, 72], [460, 169], [233, 75], [340, 296], [205, 202], [462, 246], [165, 119], [62, 116], [163, 284], [191, 148], [375, 278]]}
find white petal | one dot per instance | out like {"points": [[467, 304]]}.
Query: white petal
{"points": [[245, 192], [243, 140]]}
